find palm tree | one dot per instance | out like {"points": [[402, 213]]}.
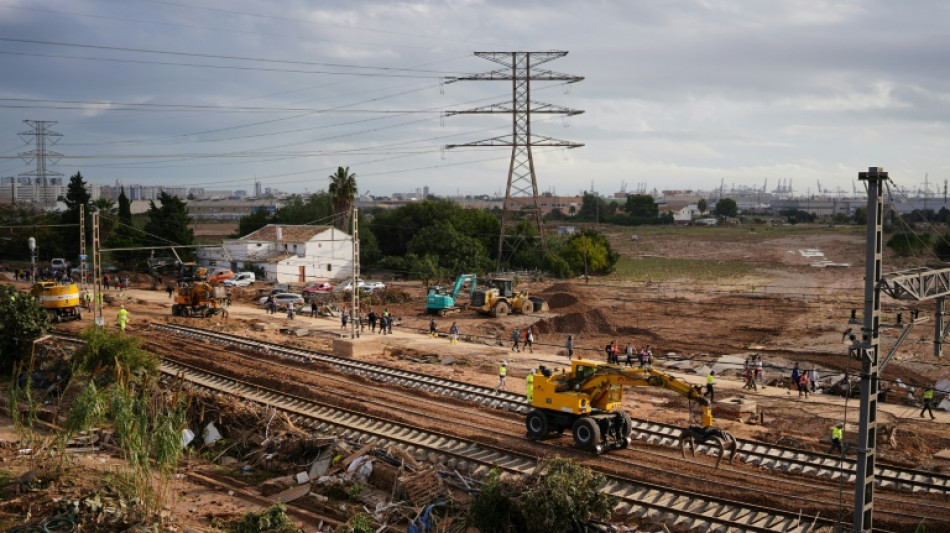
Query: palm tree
{"points": [[342, 192]]}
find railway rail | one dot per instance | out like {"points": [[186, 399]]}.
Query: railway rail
{"points": [[684, 508], [769, 456]]}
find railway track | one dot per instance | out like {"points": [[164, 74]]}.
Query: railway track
{"points": [[683, 508], [768, 456]]}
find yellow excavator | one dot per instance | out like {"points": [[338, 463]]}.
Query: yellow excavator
{"points": [[587, 400], [198, 299]]}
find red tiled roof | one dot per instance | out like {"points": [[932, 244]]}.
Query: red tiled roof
{"points": [[289, 233]]}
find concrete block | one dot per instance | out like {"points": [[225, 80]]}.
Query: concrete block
{"points": [[364, 345], [735, 408]]}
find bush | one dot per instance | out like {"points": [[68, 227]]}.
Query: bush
{"points": [[557, 497], [271, 520], [105, 349]]}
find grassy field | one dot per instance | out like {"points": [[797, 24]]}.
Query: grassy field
{"points": [[660, 269]]}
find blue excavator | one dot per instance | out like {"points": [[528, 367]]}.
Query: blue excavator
{"points": [[440, 301]]}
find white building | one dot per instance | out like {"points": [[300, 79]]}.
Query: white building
{"points": [[287, 253]]}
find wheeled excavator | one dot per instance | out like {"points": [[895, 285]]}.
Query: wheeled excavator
{"points": [[587, 400]]}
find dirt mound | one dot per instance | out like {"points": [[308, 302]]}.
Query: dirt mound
{"points": [[563, 286], [588, 323], [560, 300]]}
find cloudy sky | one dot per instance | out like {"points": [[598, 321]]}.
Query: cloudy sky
{"points": [[677, 94]]}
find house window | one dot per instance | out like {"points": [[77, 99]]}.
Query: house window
{"points": [[258, 245], [329, 267]]}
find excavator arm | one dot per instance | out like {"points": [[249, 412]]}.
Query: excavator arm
{"points": [[461, 281]]}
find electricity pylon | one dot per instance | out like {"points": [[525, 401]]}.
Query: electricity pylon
{"points": [[41, 154], [521, 69]]}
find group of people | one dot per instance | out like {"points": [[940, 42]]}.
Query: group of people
{"points": [[115, 282], [754, 373], [525, 338], [384, 319], [643, 356]]}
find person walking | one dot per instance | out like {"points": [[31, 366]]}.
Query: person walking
{"points": [[123, 317], [749, 376], [372, 321], [570, 347], [710, 391], [529, 339], [169, 289], [803, 383], [454, 333], [796, 379], [813, 378], [432, 331], [290, 311], [227, 298], [344, 317], [759, 372], [515, 338], [313, 308], [836, 434], [610, 352], [529, 386], [928, 402], [502, 375], [389, 323]]}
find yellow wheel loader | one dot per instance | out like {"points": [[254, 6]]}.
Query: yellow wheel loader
{"points": [[587, 401], [499, 299]]}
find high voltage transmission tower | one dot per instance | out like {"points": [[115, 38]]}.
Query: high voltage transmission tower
{"points": [[41, 154], [521, 69]]}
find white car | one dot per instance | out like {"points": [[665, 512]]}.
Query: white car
{"points": [[347, 285], [371, 286], [283, 300], [241, 279]]}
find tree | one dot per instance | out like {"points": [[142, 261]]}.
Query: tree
{"points": [[701, 205], [168, 223], [125, 235], [257, 219], [453, 251], [861, 216], [593, 208], [76, 196], [726, 207], [342, 191], [22, 320], [642, 208], [588, 252], [908, 243]]}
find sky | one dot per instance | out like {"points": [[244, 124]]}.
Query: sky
{"points": [[676, 95]]}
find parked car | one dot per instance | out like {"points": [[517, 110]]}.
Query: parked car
{"points": [[241, 279], [220, 275], [347, 286], [283, 300], [371, 286], [280, 288], [316, 288], [57, 263]]}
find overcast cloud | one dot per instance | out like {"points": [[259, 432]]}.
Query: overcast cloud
{"points": [[677, 94]]}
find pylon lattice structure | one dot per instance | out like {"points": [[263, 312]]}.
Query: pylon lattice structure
{"points": [[41, 155], [521, 70]]}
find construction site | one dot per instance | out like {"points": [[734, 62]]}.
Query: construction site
{"points": [[285, 406]]}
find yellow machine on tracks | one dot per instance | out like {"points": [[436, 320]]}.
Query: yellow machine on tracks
{"points": [[587, 400], [60, 301]]}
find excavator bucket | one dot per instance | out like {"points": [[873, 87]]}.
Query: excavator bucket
{"points": [[714, 437]]}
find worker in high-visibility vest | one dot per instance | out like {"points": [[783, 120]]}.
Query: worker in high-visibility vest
{"points": [[123, 317], [928, 402], [529, 386], [502, 374], [836, 434], [709, 387]]}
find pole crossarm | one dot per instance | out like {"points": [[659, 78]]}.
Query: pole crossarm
{"points": [[917, 284], [500, 75], [506, 140], [505, 108]]}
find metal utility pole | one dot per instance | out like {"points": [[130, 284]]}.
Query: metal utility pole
{"points": [[97, 318], [355, 302], [41, 154], [521, 69], [82, 247], [868, 352]]}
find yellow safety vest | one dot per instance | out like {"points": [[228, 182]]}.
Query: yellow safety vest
{"points": [[709, 379], [502, 370], [928, 394], [836, 433], [530, 381], [123, 315]]}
